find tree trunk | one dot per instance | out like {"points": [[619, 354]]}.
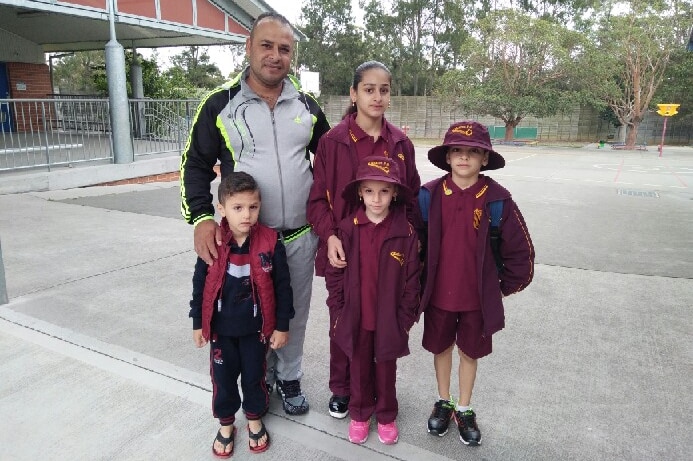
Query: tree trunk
{"points": [[510, 129], [632, 134]]}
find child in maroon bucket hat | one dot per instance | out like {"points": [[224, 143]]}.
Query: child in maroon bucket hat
{"points": [[373, 301], [464, 285]]}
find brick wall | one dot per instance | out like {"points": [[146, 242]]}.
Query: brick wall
{"points": [[29, 81]]}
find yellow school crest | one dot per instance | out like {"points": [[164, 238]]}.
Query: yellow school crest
{"points": [[398, 256], [477, 218], [465, 130], [382, 166]]}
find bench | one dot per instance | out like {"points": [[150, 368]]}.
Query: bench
{"points": [[622, 146]]}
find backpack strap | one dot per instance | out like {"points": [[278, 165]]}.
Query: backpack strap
{"points": [[424, 203], [496, 209]]}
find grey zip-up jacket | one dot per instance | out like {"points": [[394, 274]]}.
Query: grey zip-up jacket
{"points": [[236, 127]]}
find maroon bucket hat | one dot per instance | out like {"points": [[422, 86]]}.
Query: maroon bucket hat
{"points": [[376, 168], [470, 134]]}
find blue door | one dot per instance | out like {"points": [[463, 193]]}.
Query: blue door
{"points": [[5, 114]]}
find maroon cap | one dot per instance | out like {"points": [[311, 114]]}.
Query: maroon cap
{"points": [[376, 168], [469, 134]]}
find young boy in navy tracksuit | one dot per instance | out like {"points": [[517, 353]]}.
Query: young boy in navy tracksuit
{"points": [[462, 298], [242, 304], [373, 300]]}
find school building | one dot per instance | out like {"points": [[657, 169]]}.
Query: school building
{"points": [[30, 29]]}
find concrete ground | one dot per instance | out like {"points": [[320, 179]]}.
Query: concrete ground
{"points": [[596, 361]]}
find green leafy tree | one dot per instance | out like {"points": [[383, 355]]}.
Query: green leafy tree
{"points": [[78, 73], [516, 66], [417, 39], [629, 60], [196, 64], [335, 45], [676, 86]]}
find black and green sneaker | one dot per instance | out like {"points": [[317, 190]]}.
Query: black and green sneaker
{"points": [[469, 431], [440, 417]]}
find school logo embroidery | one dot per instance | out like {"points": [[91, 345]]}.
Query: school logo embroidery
{"points": [[477, 218], [398, 256], [482, 191], [265, 262], [465, 130], [446, 189], [383, 166], [353, 136], [217, 357]]}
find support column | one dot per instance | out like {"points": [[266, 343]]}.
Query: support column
{"points": [[118, 96], [137, 85]]}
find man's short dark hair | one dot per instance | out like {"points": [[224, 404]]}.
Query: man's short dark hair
{"points": [[271, 16], [234, 183]]}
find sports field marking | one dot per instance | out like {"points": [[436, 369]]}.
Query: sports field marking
{"points": [[522, 158]]}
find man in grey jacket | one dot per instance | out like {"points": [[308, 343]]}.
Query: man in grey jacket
{"points": [[262, 123]]}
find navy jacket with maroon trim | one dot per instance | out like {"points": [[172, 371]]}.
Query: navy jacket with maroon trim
{"points": [[398, 289], [335, 166], [269, 278], [516, 249]]}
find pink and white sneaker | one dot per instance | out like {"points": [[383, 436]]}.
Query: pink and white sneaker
{"points": [[358, 431], [388, 433]]}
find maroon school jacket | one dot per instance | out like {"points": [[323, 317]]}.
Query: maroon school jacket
{"points": [[335, 166], [398, 289], [516, 250]]}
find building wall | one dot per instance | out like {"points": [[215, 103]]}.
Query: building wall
{"points": [[17, 49], [29, 81]]}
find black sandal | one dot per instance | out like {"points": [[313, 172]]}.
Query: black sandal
{"points": [[225, 441], [256, 437]]}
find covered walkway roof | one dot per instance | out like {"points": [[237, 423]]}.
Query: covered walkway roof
{"points": [[73, 25]]}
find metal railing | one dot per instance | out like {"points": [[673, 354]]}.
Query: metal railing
{"points": [[160, 125], [42, 133]]}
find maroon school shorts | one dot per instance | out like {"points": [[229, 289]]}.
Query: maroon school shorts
{"points": [[442, 328]]}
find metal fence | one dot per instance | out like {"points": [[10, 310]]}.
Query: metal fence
{"points": [[43, 133]]}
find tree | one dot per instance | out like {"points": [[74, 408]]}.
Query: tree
{"points": [[676, 86], [76, 73], [334, 47], [194, 62], [516, 66], [417, 39], [629, 60]]}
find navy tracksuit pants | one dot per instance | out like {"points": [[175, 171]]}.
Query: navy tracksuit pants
{"points": [[231, 357]]}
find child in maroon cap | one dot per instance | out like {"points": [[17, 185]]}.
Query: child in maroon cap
{"points": [[373, 300], [462, 296]]}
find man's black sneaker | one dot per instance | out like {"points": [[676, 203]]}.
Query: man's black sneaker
{"points": [[469, 431], [294, 401], [440, 417], [339, 406]]}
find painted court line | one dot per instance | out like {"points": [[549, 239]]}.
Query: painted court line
{"points": [[522, 158], [671, 170], [618, 172]]}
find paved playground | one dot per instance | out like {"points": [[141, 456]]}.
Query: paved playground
{"points": [[595, 363]]}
